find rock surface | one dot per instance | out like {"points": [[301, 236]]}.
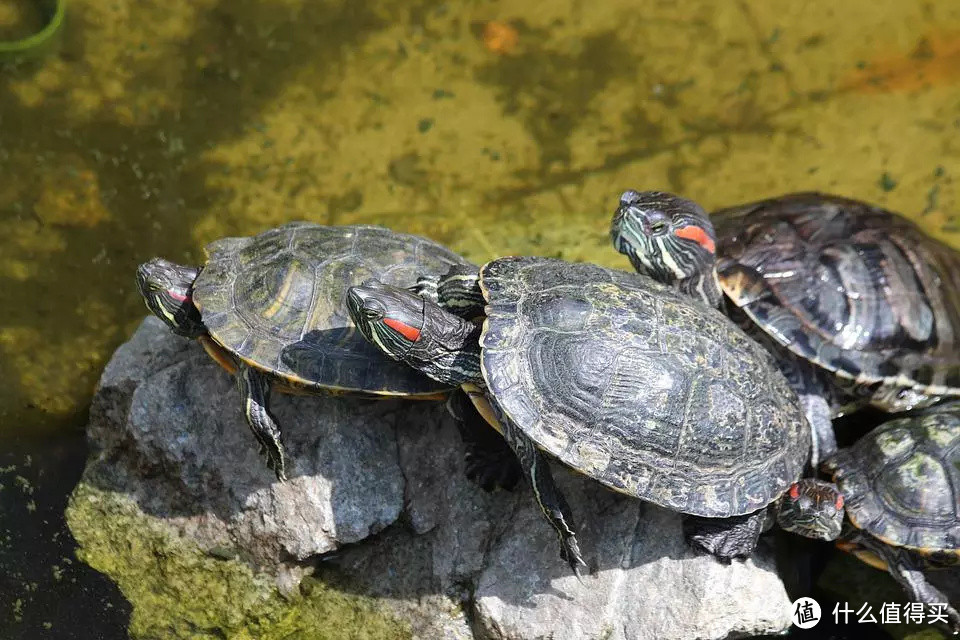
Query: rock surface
{"points": [[377, 502]]}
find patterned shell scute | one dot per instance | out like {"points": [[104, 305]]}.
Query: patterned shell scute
{"points": [[277, 300], [887, 303], [629, 382], [901, 481]]}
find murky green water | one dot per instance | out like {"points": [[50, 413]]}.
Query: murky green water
{"points": [[160, 126]]}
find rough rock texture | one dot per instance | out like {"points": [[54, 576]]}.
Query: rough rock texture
{"points": [[168, 425], [381, 482]]}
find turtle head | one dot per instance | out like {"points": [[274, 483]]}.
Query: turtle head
{"points": [[416, 331], [812, 508], [389, 317], [167, 289], [670, 239]]}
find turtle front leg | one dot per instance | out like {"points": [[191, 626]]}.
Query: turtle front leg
{"points": [[815, 396], [551, 501], [490, 462], [823, 443], [815, 399], [816, 393], [907, 568], [255, 391], [458, 291], [725, 538], [426, 287]]}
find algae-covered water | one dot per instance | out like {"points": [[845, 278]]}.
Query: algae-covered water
{"points": [[494, 127]]}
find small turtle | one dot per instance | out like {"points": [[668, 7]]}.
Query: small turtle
{"points": [[900, 488], [857, 302], [625, 380], [270, 308]]}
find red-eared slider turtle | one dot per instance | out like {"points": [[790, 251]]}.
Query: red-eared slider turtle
{"points": [[622, 378], [271, 309], [859, 303], [900, 488]]}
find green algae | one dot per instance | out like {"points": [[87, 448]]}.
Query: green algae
{"points": [[163, 126], [181, 592]]}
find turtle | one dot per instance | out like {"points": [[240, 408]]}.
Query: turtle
{"points": [[859, 305], [270, 309], [899, 486], [621, 378]]}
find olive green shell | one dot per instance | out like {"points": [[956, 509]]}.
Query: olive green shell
{"points": [[277, 302], [901, 482], [640, 387], [853, 288]]}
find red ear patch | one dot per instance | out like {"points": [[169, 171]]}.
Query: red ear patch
{"points": [[405, 330], [698, 235], [176, 295], [839, 503], [794, 491]]}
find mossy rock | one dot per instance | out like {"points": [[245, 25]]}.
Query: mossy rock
{"points": [[179, 591]]}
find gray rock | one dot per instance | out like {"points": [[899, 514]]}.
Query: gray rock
{"points": [[167, 425], [382, 482], [643, 582]]}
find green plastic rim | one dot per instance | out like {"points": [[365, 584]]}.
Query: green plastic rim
{"points": [[54, 12]]}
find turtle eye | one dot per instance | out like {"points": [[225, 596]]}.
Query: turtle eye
{"points": [[373, 310], [658, 227]]}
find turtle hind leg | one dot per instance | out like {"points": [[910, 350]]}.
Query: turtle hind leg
{"points": [[551, 501], [490, 463], [255, 391], [725, 538]]}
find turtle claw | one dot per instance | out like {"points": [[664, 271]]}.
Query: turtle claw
{"points": [[275, 461], [570, 552], [276, 464]]}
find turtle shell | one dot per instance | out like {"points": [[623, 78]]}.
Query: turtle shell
{"points": [[639, 387], [277, 302], [901, 482], [853, 288]]}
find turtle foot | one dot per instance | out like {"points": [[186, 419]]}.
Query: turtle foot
{"points": [[489, 460], [276, 463], [725, 538], [570, 552], [491, 476], [954, 617]]}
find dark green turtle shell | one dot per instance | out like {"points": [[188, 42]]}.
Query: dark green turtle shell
{"points": [[853, 288], [639, 386], [277, 302], [901, 482]]}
